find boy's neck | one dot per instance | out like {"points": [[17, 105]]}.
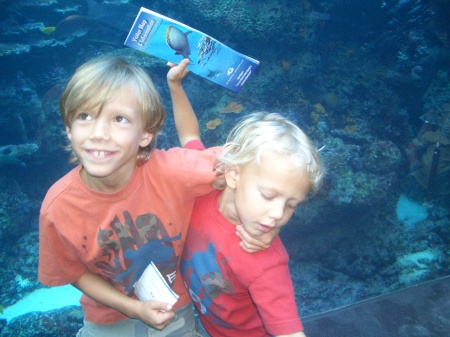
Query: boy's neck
{"points": [[227, 206], [104, 185]]}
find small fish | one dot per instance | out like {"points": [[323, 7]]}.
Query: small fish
{"points": [[177, 40], [74, 26], [6, 159], [214, 73], [48, 30]]}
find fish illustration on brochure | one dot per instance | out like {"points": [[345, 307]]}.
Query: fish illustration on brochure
{"points": [[163, 37]]}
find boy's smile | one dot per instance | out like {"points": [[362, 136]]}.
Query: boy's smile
{"points": [[100, 154], [263, 197], [107, 142]]}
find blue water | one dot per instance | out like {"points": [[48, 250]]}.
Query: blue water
{"points": [[367, 80]]}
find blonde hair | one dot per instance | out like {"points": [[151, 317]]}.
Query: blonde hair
{"points": [[98, 81], [260, 133]]}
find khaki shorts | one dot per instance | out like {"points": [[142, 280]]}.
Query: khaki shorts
{"points": [[183, 325]]}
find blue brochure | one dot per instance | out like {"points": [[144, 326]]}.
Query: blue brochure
{"points": [[170, 40]]}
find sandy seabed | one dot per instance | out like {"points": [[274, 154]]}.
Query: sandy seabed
{"points": [[43, 299]]}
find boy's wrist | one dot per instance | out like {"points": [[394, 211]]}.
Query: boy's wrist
{"points": [[132, 308], [174, 85]]}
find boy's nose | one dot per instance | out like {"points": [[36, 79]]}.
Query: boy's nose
{"points": [[277, 212], [100, 130]]}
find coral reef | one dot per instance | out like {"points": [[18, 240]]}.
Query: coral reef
{"points": [[361, 89], [61, 322], [233, 107], [212, 124], [13, 49], [18, 271], [14, 209], [385, 152]]}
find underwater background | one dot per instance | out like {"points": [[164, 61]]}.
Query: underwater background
{"points": [[367, 80]]}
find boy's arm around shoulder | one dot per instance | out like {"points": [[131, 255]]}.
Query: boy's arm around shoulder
{"points": [[155, 313], [252, 244]]}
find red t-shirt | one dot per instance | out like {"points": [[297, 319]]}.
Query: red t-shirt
{"points": [[117, 235], [236, 293]]}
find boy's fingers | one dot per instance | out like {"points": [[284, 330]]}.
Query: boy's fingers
{"points": [[162, 306], [185, 62], [247, 242], [247, 248]]}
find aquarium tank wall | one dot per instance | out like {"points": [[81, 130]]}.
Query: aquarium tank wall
{"points": [[368, 81]]}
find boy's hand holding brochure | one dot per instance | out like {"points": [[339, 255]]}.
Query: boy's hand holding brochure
{"points": [[152, 286]]}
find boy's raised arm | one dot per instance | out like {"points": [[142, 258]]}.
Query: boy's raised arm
{"points": [[185, 119]]}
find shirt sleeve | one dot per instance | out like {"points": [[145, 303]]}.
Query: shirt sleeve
{"points": [[197, 169], [273, 294], [59, 263], [195, 144]]}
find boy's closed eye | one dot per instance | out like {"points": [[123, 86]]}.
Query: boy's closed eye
{"points": [[270, 197], [266, 195]]}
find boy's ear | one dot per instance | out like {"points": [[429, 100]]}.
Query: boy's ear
{"points": [[232, 177], [146, 139], [68, 133]]}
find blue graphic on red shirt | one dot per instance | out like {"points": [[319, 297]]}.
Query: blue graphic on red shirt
{"points": [[129, 248], [161, 256], [203, 278]]}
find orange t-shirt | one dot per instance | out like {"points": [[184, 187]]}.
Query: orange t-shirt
{"points": [[117, 235]]}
